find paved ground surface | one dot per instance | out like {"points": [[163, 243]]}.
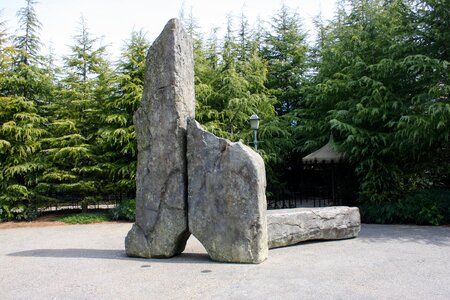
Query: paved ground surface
{"points": [[88, 262]]}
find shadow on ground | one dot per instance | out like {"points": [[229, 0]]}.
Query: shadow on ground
{"points": [[198, 258], [439, 236]]}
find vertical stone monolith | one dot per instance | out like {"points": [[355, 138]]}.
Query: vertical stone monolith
{"points": [[227, 200], [161, 228]]}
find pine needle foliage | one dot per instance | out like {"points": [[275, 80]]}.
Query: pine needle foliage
{"points": [[377, 78], [24, 86], [384, 98], [72, 153], [117, 134]]}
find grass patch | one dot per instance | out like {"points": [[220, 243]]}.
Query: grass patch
{"points": [[85, 218]]}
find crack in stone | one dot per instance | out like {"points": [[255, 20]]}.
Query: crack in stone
{"points": [[165, 104], [166, 86]]}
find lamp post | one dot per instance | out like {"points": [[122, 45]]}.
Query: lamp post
{"points": [[254, 124]]}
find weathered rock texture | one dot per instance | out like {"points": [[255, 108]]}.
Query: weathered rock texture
{"points": [[161, 228], [291, 226], [227, 202]]}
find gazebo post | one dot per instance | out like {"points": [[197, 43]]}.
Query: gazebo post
{"points": [[333, 182]]}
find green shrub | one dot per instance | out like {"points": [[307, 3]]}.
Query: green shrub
{"points": [[85, 218], [425, 207], [18, 213], [126, 210]]}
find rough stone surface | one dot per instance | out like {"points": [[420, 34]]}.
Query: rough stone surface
{"points": [[227, 202], [291, 226], [161, 228]]}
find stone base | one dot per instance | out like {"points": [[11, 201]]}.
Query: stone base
{"points": [[291, 226]]}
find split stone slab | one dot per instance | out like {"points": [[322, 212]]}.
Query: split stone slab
{"points": [[161, 228], [226, 199], [291, 226]]}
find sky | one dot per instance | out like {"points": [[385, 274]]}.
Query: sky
{"points": [[113, 20]]}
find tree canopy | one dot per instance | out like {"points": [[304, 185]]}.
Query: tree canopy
{"points": [[376, 77]]}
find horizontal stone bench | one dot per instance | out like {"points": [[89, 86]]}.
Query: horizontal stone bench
{"points": [[291, 226]]}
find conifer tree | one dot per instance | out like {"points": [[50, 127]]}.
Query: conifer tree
{"points": [[72, 150], [5, 53], [28, 79], [118, 138], [23, 87], [285, 50], [230, 87], [387, 105]]}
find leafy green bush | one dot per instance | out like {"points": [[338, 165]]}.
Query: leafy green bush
{"points": [[426, 207], [18, 213], [126, 210], [85, 218]]}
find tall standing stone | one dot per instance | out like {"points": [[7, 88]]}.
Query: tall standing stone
{"points": [[227, 201], [161, 228]]}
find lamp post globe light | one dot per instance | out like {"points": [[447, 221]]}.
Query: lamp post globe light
{"points": [[254, 124]]}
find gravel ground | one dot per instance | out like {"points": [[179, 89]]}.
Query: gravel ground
{"points": [[89, 262]]}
